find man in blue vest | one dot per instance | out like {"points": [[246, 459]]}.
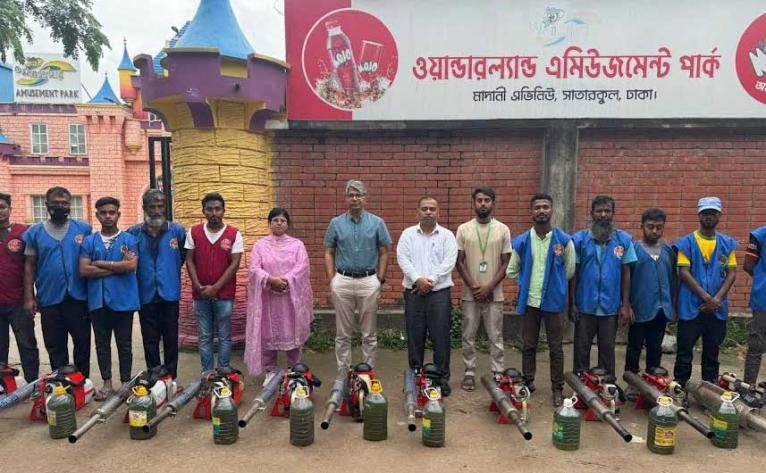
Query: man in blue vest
{"points": [[53, 284], [108, 259], [160, 257], [707, 268], [543, 260], [653, 286], [601, 285], [755, 266]]}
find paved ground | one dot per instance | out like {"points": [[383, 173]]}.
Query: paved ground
{"points": [[475, 442]]}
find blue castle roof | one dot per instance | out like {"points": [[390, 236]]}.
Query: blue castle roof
{"points": [[126, 64], [215, 26], [106, 95], [158, 69]]}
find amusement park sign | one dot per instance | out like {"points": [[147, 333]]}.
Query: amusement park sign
{"points": [[494, 59], [47, 78]]}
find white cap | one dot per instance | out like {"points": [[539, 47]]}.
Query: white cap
{"points": [[568, 402]]}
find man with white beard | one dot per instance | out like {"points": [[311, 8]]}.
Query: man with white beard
{"points": [[160, 257], [600, 289]]}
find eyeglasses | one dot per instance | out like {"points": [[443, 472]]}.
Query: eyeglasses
{"points": [[355, 196]]}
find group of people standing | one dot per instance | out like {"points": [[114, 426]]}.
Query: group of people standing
{"points": [[597, 278]]}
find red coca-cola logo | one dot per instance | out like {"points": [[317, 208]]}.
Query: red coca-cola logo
{"points": [[226, 244], [15, 245], [751, 59], [350, 59]]}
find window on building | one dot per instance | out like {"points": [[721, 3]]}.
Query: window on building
{"points": [[40, 211], [39, 138], [77, 139]]}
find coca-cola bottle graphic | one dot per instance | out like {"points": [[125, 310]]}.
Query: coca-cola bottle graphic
{"points": [[342, 57], [369, 61]]}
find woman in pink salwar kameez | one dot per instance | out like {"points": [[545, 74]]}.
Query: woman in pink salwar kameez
{"points": [[280, 301]]}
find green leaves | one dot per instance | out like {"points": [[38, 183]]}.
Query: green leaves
{"points": [[70, 23]]}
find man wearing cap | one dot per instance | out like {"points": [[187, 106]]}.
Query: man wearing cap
{"points": [[707, 268], [356, 258]]}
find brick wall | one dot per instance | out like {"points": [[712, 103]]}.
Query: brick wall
{"points": [[398, 168], [672, 170], [666, 168]]}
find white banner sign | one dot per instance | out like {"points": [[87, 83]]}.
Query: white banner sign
{"points": [[500, 59], [47, 78]]}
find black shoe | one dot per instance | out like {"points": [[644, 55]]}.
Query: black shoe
{"points": [[446, 390], [531, 386]]}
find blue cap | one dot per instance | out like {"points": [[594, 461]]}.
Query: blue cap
{"points": [[706, 203]]}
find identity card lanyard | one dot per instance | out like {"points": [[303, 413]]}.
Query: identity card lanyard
{"points": [[483, 246]]}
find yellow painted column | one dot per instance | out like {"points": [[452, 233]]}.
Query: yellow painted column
{"points": [[234, 162]]}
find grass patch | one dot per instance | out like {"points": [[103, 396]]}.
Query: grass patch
{"points": [[322, 341]]}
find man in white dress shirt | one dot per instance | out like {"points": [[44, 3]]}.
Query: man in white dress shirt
{"points": [[427, 253]]}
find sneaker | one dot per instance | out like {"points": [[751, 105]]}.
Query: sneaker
{"points": [[469, 383], [269, 376]]}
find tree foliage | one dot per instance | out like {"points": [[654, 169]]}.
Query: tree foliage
{"points": [[70, 23]]}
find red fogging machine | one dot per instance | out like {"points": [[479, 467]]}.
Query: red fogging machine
{"points": [[80, 387], [511, 382], [297, 376], [229, 377], [604, 386]]}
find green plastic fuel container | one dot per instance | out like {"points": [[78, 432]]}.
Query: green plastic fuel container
{"points": [[663, 427], [60, 411], [434, 422], [566, 426], [375, 413], [141, 409], [725, 422], [225, 417], [301, 419]]}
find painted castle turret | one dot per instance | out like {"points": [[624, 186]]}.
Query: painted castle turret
{"points": [[215, 97]]}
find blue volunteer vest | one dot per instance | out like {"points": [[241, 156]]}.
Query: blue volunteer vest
{"points": [[58, 263], [758, 292], [651, 283], [598, 282], [709, 275], [118, 292], [160, 276], [554, 291]]}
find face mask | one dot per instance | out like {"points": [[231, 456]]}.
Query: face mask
{"points": [[58, 213]]}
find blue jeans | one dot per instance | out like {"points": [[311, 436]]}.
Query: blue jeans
{"points": [[209, 315]]}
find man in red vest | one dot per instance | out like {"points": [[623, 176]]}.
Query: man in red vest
{"points": [[214, 251], [12, 294]]}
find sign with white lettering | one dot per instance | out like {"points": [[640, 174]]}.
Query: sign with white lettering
{"points": [[47, 78], [497, 59]]}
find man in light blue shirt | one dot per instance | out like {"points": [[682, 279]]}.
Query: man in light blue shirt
{"points": [[356, 258], [427, 253]]}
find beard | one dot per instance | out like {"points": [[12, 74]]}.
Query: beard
{"points": [[483, 213], [601, 231], [155, 222]]}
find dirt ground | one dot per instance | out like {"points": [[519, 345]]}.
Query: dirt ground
{"points": [[475, 442]]}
